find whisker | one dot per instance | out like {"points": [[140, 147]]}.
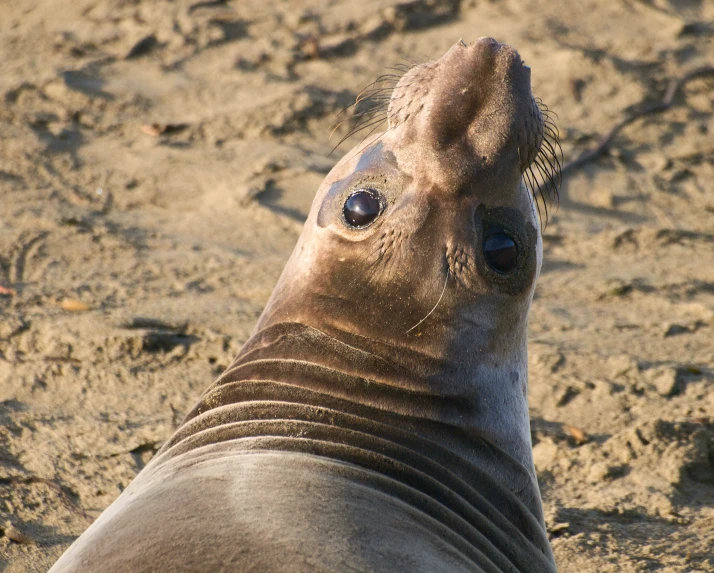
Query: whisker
{"points": [[554, 157], [369, 123], [525, 181], [553, 170], [363, 116], [380, 96], [352, 132], [544, 175], [544, 178], [448, 271], [528, 173]]}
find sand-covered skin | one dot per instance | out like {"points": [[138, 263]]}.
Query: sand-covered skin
{"points": [[157, 160]]}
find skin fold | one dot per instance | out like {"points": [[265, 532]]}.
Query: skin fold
{"points": [[377, 418]]}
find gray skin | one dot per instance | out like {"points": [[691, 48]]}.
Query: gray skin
{"points": [[377, 418]]}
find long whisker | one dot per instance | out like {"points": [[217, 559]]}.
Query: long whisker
{"points": [[376, 124], [544, 174], [526, 182], [369, 124], [448, 271], [544, 179], [530, 178], [379, 93], [369, 112]]}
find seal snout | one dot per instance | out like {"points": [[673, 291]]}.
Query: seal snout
{"points": [[477, 94]]}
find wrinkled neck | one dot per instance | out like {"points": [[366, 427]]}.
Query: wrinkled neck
{"points": [[336, 396], [460, 398]]}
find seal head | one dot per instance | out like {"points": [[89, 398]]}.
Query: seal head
{"points": [[418, 285]]}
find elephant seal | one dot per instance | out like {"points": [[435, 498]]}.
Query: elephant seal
{"points": [[377, 418]]}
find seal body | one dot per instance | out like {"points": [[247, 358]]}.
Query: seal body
{"points": [[377, 418]]}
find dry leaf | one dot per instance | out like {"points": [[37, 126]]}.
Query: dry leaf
{"points": [[74, 305], [7, 290], [577, 434]]}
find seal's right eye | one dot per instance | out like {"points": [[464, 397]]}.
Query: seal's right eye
{"points": [[362, 208], [501, 252]]}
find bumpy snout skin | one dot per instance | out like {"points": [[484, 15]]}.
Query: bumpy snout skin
{"points": [[477, 97]]}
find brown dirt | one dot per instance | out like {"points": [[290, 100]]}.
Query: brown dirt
{"points": [[157, 160]]}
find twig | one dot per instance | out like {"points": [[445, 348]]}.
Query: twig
{"points": [[606, 140]]}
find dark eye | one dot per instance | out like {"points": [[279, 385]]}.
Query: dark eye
{"points": [[501, 252], [362, 207]]}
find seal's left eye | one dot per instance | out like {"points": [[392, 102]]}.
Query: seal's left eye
{"points": [[501, 252], [362, 207]]}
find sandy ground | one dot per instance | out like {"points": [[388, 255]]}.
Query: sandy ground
{"points": [[157, 160]]}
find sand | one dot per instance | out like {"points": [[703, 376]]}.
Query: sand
{"points": [[157, 160]]}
